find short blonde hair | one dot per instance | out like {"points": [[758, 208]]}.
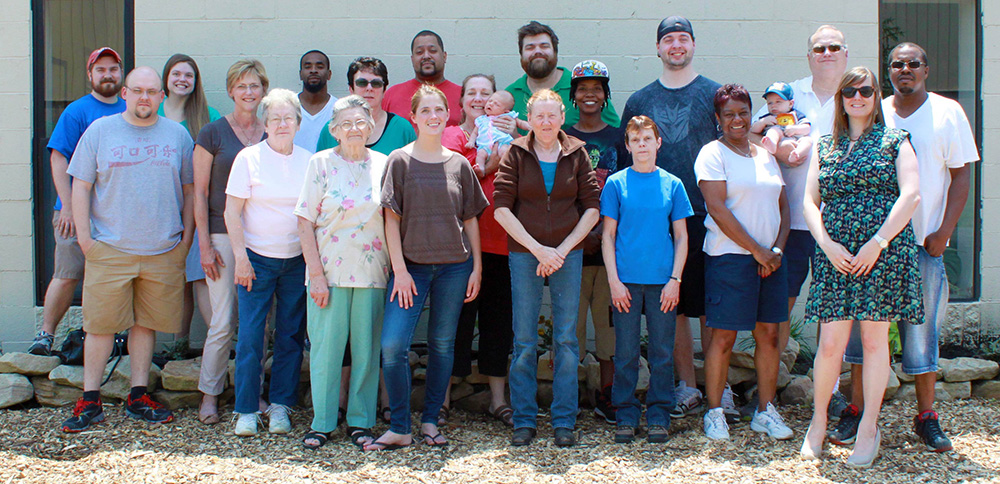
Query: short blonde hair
{"points": [[280, 97], [243, 67], [545, 95]]}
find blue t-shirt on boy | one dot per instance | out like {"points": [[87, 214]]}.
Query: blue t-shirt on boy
{"points": [[74, 120]]}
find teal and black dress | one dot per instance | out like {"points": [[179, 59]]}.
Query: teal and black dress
{"points": [[858, 189]]}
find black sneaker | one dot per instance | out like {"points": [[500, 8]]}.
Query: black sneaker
{"points": [[847, 429], [927, 428], [42, 345], [145, 408], [837, 404], [603, 408], [85, 414]]}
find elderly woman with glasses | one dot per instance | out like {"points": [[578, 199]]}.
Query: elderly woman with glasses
{"points": [[263, 188], [343, 241]]}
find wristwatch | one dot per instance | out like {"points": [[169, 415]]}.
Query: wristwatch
{"points": [[777, 250], [883, 243]]}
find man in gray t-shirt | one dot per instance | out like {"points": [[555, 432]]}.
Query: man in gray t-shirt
{"points": [[133, 213]]}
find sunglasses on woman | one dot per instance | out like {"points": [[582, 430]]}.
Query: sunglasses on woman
{"points": [[363, 83], [833, 48], [849, 91], [914, 64]]}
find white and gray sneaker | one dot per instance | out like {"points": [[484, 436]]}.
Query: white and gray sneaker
{"points": [[729, 406], [770, 421], [689, 401], [716, 427], [277, 419], [246, 423]]}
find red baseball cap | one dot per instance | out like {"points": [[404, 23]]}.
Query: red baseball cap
{"points": [[103, 51]]}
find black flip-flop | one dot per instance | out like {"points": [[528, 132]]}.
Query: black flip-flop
{"points": [[322, 437], [433, 440], [355, 434], [386, 446], [382, 412]]}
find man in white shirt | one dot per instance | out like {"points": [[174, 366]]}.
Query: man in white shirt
{"points": [[317, 103], [942, 138]]}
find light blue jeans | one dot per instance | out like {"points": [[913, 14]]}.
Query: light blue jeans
{"points": [[526, 292]]}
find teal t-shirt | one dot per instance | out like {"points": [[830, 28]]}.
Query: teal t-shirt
{"points": [[397, 134], [213, 115], [548, 174]]}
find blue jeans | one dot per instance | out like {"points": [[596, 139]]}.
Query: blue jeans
{"points": [[447, 284], [282, 279], [660, 350], [526, 292], [920, 341]]}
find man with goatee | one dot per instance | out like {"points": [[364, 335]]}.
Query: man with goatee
{"points": [[317, 103]]}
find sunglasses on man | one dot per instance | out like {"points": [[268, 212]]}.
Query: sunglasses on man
{"points": [[833, 48], [898, 65]]}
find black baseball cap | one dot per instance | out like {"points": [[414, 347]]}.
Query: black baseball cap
{"points": [[674, 23]]}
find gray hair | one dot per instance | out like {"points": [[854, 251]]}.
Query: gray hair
{"points": [[278, 97], [351, 102]]}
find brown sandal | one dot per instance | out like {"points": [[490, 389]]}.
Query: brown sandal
{"points": [[504, 414]]}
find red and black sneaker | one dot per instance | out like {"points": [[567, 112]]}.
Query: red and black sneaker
{"points": [[927, 428], [85, 414], [846, 431], [147, 409]]}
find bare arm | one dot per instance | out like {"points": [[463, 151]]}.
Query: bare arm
{"points": [[621, 299], [476, 278], [318, 285], [403, 286], [66, 225], [671, 293], [234, 225], [839, 256], [187, 215], [714, 192], [958, 193], [211, 260], [81, 194]]}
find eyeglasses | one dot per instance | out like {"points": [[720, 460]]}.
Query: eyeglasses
{"points": [[363, 83], [248, 87], [140, 92], [833, 48], [914, 64], [359, 124], [289, 120], [849, 91]]}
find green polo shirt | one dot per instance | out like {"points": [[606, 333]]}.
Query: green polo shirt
{"points": [[519, 89]]}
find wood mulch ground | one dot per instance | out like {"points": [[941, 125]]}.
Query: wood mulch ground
{"points": [[32, 449]]}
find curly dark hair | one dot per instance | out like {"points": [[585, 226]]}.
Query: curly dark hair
{"points": [[731, 92]]}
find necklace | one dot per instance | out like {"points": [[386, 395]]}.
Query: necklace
{"points": [[246, 139], [737, 150]]}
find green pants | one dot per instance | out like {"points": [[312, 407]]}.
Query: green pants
{"points": [[350, 311]]}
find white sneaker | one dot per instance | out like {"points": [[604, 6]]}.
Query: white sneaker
{"points": [[770, 421], [246, 424], [716, 427], [728, 406], [688, 401], [277, 419]]}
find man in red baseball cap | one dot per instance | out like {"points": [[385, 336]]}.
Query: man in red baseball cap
{"points": [[104, 70]]}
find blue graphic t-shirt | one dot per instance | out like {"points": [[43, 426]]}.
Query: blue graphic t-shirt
{"points": [[75, 119], [686, 120]]}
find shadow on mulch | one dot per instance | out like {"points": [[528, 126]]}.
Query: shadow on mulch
{"points": [[33, 449]]}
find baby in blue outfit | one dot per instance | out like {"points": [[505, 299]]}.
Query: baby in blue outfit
{"points": [[485, 135]]}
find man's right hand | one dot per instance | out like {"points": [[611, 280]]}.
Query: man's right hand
{"points": [[86, 243], [66, 225]]}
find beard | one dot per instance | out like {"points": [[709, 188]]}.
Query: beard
{"points": [[539, 67], [905, 90], [314, 87], [106, 86], [142, 112]]}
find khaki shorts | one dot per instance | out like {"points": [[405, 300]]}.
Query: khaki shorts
{"points": [[121, 290], [69, 259]]}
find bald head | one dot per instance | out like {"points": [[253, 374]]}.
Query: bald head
{"points": [[146, 74], [143, 93], [825, 29], [909, 45]]}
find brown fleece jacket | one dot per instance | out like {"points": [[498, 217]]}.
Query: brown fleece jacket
{"points": [[520, 187]]}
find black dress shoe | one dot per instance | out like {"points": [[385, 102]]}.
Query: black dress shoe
{"points": [[522, 436], [565, 437]]}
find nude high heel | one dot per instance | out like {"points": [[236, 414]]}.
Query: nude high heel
{"points": [[807, 452], [859, 461]]}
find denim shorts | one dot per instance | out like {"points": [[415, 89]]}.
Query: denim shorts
{"points": [[799, 251], [736, 298], [920, 341]]}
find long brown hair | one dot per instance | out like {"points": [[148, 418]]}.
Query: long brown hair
{"points": [[195, 107], [854, 76]]}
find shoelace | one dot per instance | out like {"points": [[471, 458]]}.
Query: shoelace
{"points": [[931, 426], [81, 406], [149, 402]]}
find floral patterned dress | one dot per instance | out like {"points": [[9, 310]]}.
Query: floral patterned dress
{"points": [[858, 189], [342, 198]]}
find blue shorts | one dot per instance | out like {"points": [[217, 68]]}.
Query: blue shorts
{"points": [[920, 341], [799, 251], [192, 264], [736, 298]]}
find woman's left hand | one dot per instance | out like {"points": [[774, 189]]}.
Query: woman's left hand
{"points": [[670, 295], [319, 290], [862, 263], [472, 290], [506, 124]]}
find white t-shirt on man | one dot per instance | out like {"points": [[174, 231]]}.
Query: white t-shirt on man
{"points": [[942, 138], [312, 125], [270, 182], [753, 186]]}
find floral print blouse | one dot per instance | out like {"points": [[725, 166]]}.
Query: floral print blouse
{"points": [[342, 199]]}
